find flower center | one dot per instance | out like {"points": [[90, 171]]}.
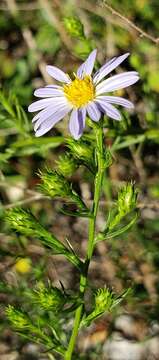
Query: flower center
{"points": [[80, 91]]}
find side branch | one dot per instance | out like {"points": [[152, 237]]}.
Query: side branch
{"points": [[130, 23]]}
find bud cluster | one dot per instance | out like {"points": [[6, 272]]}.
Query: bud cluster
{"points": [[18, 318], [54, 184], [48, 298], [24, 222], [127, 199], [104, 300], [21, 322]]}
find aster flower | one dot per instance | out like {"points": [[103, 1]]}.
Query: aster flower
{"points": [[85, 94]]}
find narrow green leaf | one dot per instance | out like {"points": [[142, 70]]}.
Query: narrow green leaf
{"points": [[24, 222], [101, 237], [130, 140]]}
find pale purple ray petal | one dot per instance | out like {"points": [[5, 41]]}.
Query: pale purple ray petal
{"points": [[80, 71], [56, 103], [39, 105], [95, 77], [48, 92], [73, 123], [50, 111], [54, 86], [93, 111], [51, 121], [108, 67], [87, 67], [37, 116], [89, 63], [117, 100], [77, 122], [110, 110], [57, 74], [117, 82]]}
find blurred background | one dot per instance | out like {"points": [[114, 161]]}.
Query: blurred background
{"points": [[62, 33]]}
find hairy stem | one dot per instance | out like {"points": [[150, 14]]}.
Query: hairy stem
{"points": [[91, 239]]}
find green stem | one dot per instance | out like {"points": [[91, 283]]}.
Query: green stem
{"points": [[97, 190], [91, 239]]}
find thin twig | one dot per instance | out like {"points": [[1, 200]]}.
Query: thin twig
{"points": [[119, 19], [37, 196], [22, 202], [142, 32], [91, 7], [96, 9]]}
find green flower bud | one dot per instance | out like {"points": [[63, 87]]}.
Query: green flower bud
{"points": [[54, 184], [17, 318], [49, 298], [67, 165], [103, 300], [82, 151], [74, 27], [22, 323], [127, 198], [23, 221]]}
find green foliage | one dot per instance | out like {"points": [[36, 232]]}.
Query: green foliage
{"points": [[66, 165], [19, 319], [127, 199], [14, 121], [48, 40], [104, 301], [107, 159], [49, 298], [83, 152], [82, 48], [55, 184], [48, 310], [125, 205], [24, 222], [32, 145], [74, 27], [22, 323], [14, 113]]}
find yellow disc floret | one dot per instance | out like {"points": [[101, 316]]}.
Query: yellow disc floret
{"points": [[23, 266], [80, 91]]}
